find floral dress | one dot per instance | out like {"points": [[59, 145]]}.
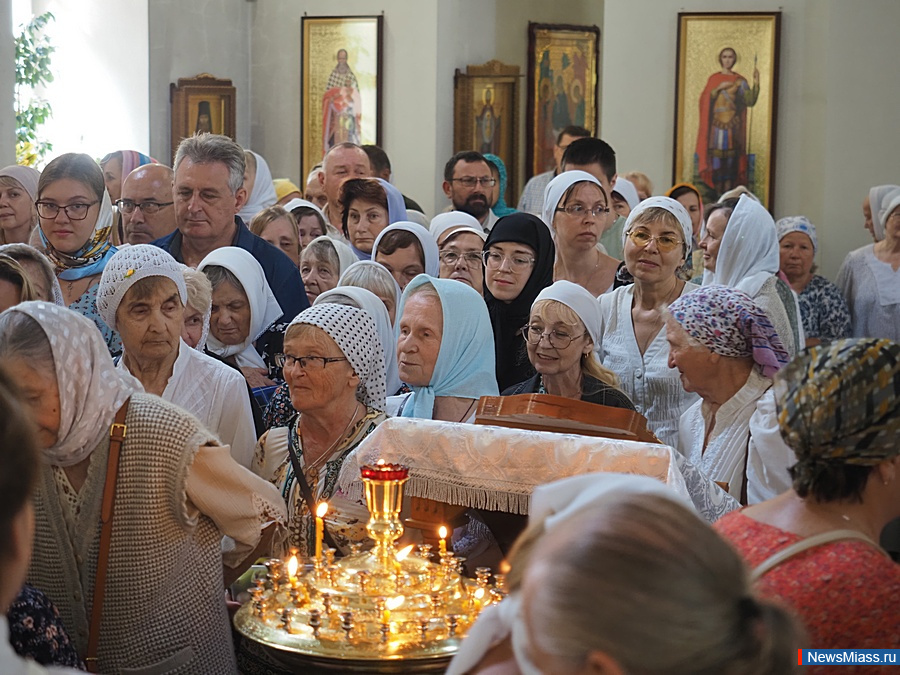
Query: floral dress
{"points": [[824, 310], [36, 631]]}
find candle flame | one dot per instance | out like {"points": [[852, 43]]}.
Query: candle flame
{"points": [[321, 509], [404, 552], [395, 602], [292, 566], [380, 462], [479, 593], [442, 532], [504, 567]]}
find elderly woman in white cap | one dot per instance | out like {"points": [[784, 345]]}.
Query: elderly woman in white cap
{"points": [[334, 367], [18, 214], [460, 239], [99, 433], [407, 250], [560, 336], [575, 208], [869, 278], [632, 343], [822, 307], [143, 295], [322, 263]]}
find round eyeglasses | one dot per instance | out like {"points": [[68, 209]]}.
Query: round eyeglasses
{"points": [[664, 242]]}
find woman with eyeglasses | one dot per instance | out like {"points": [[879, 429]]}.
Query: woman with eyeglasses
{"points": [[460, 239], [76, 218], [518, 264], [560, 336], [575, 208], [633, 344]]}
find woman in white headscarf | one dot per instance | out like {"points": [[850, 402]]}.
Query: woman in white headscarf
{"points": [[198, 494], [873, 209], [18, 215], [575, 210], [259, 186], [322, 263], [741, 251], [407, 250], [656, 241], [244, 310]]}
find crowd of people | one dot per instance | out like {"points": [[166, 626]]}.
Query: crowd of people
{"points": [[250, 334]]}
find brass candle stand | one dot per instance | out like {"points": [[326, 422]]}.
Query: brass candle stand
{"points": [[384, 610]]}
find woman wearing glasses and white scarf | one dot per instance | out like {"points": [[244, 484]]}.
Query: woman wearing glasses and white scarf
{"points": [[633, 344]]}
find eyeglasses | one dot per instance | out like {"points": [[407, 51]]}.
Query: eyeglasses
{"points": [[665, 242], [473, 258], [308, 364], [516, 263], [128, 206], [558, 339], [73, 211], [470, 181], [581, 211]]}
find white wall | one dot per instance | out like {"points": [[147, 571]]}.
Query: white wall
{"points": [[836, 115]]}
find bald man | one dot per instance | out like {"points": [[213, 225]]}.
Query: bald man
{"points": [[146, 204]]}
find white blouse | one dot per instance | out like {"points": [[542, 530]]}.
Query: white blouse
{"points": [[654, 388], [871, 288], [745, 432]]}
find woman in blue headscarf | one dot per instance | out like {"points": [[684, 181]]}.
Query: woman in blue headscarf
{"points": [[497, 166], [445, 351]]}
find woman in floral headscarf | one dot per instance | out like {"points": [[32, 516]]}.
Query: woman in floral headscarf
{"points": [[727, 351]]}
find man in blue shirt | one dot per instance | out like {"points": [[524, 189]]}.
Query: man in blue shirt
{"points": [[208, 192]]}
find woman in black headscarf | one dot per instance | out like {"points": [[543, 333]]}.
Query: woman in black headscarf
{"points": [[518, 264]]}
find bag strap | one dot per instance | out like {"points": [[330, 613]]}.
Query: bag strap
{"points": [[306, 492], [116, 436], [805, 544]]}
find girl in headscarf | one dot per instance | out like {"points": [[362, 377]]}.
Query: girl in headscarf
{"points": [[497, 167], [76, 219], [18, 215], [727, 351], [407, 250], [259, 186], [368, 205], [519, 254], [740, 250]]}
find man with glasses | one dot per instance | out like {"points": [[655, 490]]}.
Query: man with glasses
{"points": [[467, 184], [146, 204], [532, 199]]}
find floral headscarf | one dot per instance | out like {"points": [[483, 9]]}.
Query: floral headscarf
{"points": [[91, 258]]}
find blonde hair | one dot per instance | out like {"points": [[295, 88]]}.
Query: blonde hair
{"points": [[590, 364], [641, 181], [199, 290], [12, 272], [644, 580]]}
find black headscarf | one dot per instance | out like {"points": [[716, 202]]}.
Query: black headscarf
{"points": [[508, 317]]}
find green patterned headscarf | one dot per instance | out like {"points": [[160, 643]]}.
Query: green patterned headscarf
{"points": [[839, 403]]}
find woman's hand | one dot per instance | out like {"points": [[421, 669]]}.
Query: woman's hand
{"points": [[256, 377]]}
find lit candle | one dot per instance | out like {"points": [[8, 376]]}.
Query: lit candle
{"points": [[321, 510], [386, 616], [292, 566], [443, 545]]}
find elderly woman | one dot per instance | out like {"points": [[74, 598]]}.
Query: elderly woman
{"points": [[368, 205], [76, 218], [197, 308], [18, 215], [278, 227], [375, 278], [518, 264], [822, 308], [142, 295], [258, 184], [606, 563], [14, 284], [869, 278], [740, 250], [726, 350], [632, 342], [334, 367], [575, 208], [444, 351], [39, 269], [872, 207], [406, 250], [310, 221], [322, 263], [839, 411], [564, 326], [199, 493], [460, 239], [244, 311]]}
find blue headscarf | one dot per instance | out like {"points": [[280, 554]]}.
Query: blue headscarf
{"points": [[500, 209], [465, 362]]}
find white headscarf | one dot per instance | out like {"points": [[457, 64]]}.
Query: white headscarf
{"points": [[91, 388], [579, 300], [628, 192], [673, 206], [371, 303], [551, 504], [263, 194], [558, 187], [128, 266], [450, 221], [264, 308], [345, 254], [749, 252], [301, 203], [880, 197], [354, 332], [429, 247]]}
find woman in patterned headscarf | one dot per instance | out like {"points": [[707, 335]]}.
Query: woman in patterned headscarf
{"points": [[839, 411], [727, 351]]}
